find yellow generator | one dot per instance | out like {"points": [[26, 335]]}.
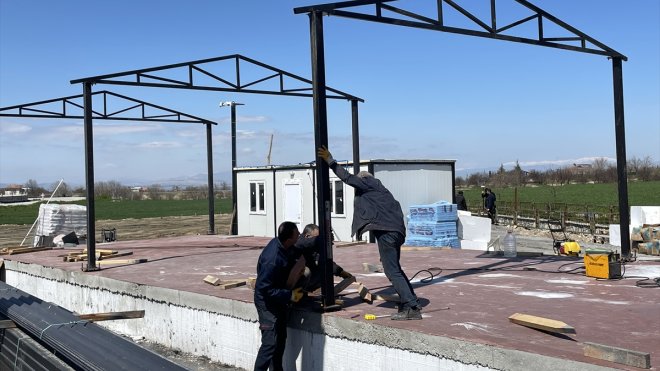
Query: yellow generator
{"points": [[602, 264]]}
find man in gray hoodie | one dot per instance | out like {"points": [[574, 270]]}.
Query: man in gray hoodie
{"points": [[377, 211]]}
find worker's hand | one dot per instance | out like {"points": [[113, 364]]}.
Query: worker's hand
{"points": [[323, 153], [345, 275], [296, 294]]}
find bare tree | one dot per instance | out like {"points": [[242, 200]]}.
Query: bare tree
{"points": [[600, 166], [34, 189]]}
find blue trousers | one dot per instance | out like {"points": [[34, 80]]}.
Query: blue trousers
{"points": [[389, 248], [273, 339]]}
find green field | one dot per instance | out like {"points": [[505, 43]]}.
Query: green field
{"points": [[113, 210], [597, 195]]}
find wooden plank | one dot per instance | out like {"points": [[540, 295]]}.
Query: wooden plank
{"points": [[386, 297], [347, 244], [541, 323], [7, 323], [617, 355], [116, 254], [341, 286], [231, 284], [251, 282], [108, 316], [364, 293], [25, 250], [212, 280]]}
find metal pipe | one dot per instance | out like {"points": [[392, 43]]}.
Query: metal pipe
{"points": [[209, 161], [234, 190], [89, 177], [356, 136]]}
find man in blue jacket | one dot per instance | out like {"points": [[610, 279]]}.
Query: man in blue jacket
{"points": [[272, 297], [377, 211]]}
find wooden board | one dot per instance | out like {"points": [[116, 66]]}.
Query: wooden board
{"points": [[212, 280], [372, 268], [122, 261], [231, 284], [296, 272], [385, 297], [364, 293], [24, 250], [541, 323], [341, 286], [617, 355]]}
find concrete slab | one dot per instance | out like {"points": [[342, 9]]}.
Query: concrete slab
{"points": [[481, 290]]}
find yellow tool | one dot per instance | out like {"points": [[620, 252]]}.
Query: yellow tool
{"points": [[600, 263], [373, 316]]}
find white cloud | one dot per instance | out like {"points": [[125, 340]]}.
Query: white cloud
{"points": [[9, 128], [156, 145], [246, 119]]}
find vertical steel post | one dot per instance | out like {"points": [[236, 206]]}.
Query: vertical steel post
{"points": [[322, 169], [356, 136], [89, 177], [209, 162], [234, 191], [622, 174]]}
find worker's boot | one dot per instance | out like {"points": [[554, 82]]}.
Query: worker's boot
{"points": [[407, 313]]}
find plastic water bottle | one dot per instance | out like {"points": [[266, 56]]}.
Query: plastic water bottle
{"points": [[509, 244]]}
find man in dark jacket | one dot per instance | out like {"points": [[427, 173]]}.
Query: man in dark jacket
{"points": [[490, 205], [376, 210], [272, 298], [460, 201]]}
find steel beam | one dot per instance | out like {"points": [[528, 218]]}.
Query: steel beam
{"points": [[622, 174]]}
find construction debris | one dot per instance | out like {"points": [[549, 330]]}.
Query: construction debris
{"points": [[341, 286], [23, 250], [212, 280], [229, 284], [101, 254]]}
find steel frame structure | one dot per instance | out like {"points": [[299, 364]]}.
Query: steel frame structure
{"points": [[66, 104], [382, 11], [190, 71]]}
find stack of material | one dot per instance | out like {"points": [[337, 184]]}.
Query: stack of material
{"points": [[55, 219], [647, 238], [432, 225], [82, 344]]}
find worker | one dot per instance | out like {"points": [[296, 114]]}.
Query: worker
{"points": [[377, 211], [460, 201], [308, 246], [490, 207], [272, 298]]}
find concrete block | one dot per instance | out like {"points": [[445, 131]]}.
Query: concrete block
{"points": [[640, 215], [474, 245], [473, 228], [618, 355], [615, 235]]}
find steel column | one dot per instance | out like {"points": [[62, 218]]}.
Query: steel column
{"points": [[322, 169], [89, 177], [622, 174], [234, 190], [356, 136], [209, 161]]}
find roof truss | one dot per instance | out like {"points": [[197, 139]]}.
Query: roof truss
{"points": [[382, 11], [227, 73], [114, 107]]}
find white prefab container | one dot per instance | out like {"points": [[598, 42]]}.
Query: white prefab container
{"points": [[55, 219], [267, 196]]}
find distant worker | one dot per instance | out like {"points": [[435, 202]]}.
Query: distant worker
{"points": [[308, 246], [460, 201], [490, 205], [272, 298], [377, 211]]}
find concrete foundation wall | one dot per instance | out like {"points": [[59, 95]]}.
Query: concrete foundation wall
{"points": [[226, 330]]}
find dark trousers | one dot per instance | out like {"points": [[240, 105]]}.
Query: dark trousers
{"points": [[273, 339], [492, 214], [389, 248]]}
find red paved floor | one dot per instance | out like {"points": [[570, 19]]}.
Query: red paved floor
{"points": [[614, 312]]}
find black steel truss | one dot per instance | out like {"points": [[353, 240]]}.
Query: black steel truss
{"points": [[131, 110], [383, 12], [235, 82]]}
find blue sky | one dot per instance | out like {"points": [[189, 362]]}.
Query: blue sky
{"points": [[429, 95]]}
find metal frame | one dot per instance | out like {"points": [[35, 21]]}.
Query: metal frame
{"points": [[32, 110], [384, 12], [149, 77]]}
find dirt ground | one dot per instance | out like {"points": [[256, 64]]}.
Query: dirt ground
{"points": [[11, 235]]}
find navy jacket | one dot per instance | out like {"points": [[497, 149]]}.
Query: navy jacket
{"points": [[270, 290], [490, 201], [374, 208]]}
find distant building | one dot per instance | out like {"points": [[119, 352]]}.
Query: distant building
{"points": [[269, 195], [14, 193], [581, 169]]}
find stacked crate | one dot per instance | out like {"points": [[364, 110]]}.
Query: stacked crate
{"points": [[432, 225]]}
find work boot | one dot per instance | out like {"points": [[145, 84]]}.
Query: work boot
{"points": [[407, 313]]}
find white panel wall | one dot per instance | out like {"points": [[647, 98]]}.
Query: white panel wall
{"points": [[251, 223]]}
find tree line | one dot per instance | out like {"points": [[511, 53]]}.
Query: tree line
{"points": [[598, 171], [114, 190]]}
